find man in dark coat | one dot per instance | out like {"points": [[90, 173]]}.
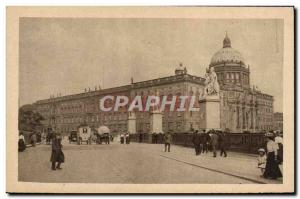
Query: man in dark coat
{"points": [[154, 138], [206, 141], [196, 142], [127, 138], [140, 137], [223, 143], [214, 142], [57, 155], [122, 138], [168, 140]]}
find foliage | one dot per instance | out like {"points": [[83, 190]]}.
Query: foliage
{"points": [[29, 120]]}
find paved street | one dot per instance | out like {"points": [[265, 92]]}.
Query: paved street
{"points": [[137, 163]]}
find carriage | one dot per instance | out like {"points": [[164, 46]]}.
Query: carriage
{"points": [[103, 135], [73, 137], [84, 134]]}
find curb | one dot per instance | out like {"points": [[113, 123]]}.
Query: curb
{"points": [[218, 171]]}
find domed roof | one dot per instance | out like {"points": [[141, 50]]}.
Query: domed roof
{"points": [[227, 54]]}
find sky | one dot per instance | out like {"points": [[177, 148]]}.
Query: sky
{"points": [[67, 55]]}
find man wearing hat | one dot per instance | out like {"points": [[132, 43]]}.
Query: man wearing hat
{"points": [[223, 143], [57, 156], [168, 140]]}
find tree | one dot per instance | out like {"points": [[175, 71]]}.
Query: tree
{"points": [[29, 120]]}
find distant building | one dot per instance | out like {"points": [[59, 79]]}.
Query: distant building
{"points": [[242, 108], [278, 121]]}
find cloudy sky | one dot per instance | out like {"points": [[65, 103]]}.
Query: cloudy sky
{"points": [[67, 55]]}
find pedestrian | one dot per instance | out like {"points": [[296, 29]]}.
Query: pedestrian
{"points": [[214, 142], [201, 136], [107, 138], [122, 138], [154, 138], [21, 143], [261, 160], [279, 143], [140, 137], [168, 140], [272, 169], [57, 156], [196, 142], [33, 139], [127, 138], [206, 141], [223, 143]]}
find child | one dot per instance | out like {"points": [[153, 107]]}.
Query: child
{"points": [[262, 159]]}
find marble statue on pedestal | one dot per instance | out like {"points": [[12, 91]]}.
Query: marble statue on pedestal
{"points": [[211, 83]]}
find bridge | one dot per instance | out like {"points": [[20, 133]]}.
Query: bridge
{"points": [[138, 163]]}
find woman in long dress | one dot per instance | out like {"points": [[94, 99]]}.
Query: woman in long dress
{"points": [[272, 169]]}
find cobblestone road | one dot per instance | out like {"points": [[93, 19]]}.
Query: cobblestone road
{"points": [[134, 163]]}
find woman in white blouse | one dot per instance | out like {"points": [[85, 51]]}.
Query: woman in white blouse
{"points": [[272, 169], [21, 142]]}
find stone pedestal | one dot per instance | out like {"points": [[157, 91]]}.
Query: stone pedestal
{"points": [[131, 123], [210, 111], [156, 122]]}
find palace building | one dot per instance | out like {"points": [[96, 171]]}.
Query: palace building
{"points": [[242, 107]]}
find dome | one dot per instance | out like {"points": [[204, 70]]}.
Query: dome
{"points": [[227, 54]]}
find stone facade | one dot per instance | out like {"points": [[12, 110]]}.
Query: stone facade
{"points": [[278, 121], [242, 108]]}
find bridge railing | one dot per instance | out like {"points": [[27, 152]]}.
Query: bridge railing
{"points": [[243, 142]]}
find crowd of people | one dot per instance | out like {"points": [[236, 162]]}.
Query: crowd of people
{"points": [[270, 157], [125, 138], [210, 141]]}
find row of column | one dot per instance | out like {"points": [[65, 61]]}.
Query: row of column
{"points": [[246, 118]]}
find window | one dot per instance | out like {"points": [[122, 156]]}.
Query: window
{"points": [[227, 76], [232, 76], [237, 76]]}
